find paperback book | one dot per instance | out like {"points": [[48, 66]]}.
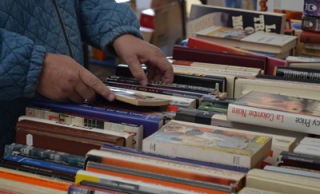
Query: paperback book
{"points": [[209, 144]]}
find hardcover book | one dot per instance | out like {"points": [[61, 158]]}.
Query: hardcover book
{"points": [[151, 123], [310, 37], [208, 144], [277, 111], [311, 24], [194, 42], [252, 21], [243, 39], [311, 8]]}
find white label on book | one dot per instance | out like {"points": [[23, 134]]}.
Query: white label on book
{"points": [[29, 140]]}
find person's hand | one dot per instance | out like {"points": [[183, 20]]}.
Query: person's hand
{"points": [[63, 79], [135, 52]]}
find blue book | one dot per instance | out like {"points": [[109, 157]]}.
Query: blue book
{"points": [[150, 123], [188, 161], [43, 164], [44, 154]]}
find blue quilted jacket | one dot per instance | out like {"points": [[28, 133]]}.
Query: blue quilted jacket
{"points": [[30, 28]]}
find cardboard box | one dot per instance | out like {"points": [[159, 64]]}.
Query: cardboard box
{"points": [[165, 18]]}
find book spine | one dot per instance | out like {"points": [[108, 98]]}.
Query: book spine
{"points": [[166, 167], [312, 46], [150, 123], [273, 119], [43, 164], [298, 157], [194, 116], [311, 24], [158, 90], [137, 184], [46, 155], [56, 142], [196, 153], [298, 73], [292, 171], [175, 86], [40, 170], [310, 141], [34, 180], [307, 149], [308, 38], [159, 178], [125, 150]]}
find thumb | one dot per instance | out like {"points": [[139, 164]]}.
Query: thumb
{"points": [[137, 71]]}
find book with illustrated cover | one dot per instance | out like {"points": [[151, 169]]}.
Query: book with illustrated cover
{"points": [[244, 39], [139, 99], [208, 144], [234, 18], [277, 111], [311, 8], [311, 24]]}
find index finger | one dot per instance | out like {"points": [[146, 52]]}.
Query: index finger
{"points": [[96, 84]]}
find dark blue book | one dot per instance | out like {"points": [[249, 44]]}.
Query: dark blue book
{"points": [[188, 161], [150, 122], [43, 164]]}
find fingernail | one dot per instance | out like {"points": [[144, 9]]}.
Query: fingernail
{"points": [[143, 82], [111, 97]]}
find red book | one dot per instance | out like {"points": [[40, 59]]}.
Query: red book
{"points": [[310, 37], [208, 45], [218, 57]]}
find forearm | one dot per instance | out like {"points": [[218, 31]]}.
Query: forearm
{"points": [[102, 21], [21, 64]]}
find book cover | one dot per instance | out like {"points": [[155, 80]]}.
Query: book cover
{"points": [[150, 123], [311, 8], [238, 18], [311, 24], [278, 111], [307, 149], [300, 160], [243, 39], [271, 62], [205, 143], [310, 141], [167, 167], [138, 99], [310, 37]]}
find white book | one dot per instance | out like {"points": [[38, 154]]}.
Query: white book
{"points": [[128, 137], [276, 111], [249, 190], [311, 46], [292, 171], [290, 88], [88, 122], [310, 141], [307, 149]]}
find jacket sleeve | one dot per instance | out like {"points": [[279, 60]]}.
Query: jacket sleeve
{"points": [[20, 65], [102, 21]]}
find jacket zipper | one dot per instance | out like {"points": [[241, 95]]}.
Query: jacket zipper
{"points": [[62, 26]]}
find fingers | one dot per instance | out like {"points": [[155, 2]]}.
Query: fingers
{"points": [[137, 71], [94, 84], [76, 98], [85, 92]]}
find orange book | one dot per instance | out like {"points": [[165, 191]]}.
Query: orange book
{"points": [[194, 42], [167, 167], [34, 179], [155, 181]]}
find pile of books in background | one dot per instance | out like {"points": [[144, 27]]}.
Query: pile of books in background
{"points": [[242, 116]]}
